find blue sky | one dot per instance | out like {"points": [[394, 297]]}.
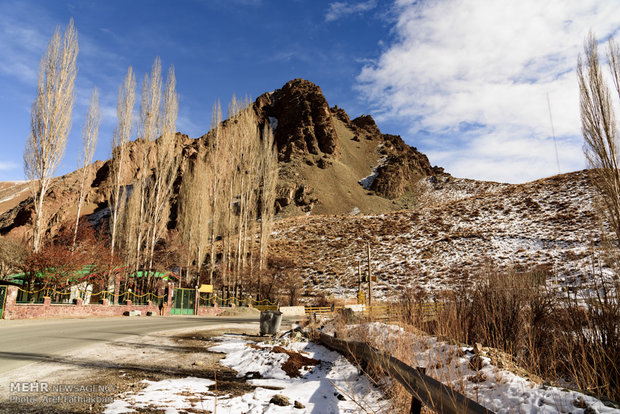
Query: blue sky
{"points": [[466, 82]]}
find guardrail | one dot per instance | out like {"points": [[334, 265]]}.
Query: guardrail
{"points": [[383, 312], [423, 389]]}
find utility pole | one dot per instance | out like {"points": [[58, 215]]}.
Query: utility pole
{"points": [[359, 275], [360, 289], [369, 277]]}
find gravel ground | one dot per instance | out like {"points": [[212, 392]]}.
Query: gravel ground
{"points": [[86, 380]]}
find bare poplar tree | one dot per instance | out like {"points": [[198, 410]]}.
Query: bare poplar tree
{"points": [[129, 220], [250, 170], [50, 120], [195, 211], [90, 133], [225, 192], [251, 189], [220, 170], [122, 134], [149, 130], [268, 196], [598, 124], [168, 160]]}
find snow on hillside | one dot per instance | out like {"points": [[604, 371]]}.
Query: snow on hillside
{"points": [[547, 225], [366, 182], [437, 190], [12, 189]]}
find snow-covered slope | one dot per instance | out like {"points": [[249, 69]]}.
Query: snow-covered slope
{"points": [[461, 227]]}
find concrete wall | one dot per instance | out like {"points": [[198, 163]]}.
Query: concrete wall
{"points": [[293, 310], [47, 310], [209, 310], [13, 310]]}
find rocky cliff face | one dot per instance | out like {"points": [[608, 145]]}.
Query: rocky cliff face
{"points": [[302, 120], [328, 163], [307, 135], [401, 165]]}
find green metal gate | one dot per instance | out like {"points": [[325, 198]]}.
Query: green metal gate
{"points": [[183, 302], [2, 300]]}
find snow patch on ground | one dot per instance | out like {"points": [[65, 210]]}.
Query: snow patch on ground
{"points": [[169, 395], [496, 389], [332, 386]]}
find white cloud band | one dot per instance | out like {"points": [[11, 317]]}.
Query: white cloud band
{"points": [[341, 9]]}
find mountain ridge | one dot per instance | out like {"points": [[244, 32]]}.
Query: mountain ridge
{"points": [[323, 156], [548, 226]]}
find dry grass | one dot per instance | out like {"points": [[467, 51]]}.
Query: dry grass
{"points": [[524, 327], [565, 339]]}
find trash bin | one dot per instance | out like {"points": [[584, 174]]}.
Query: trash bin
{"points": [[270, 322]]}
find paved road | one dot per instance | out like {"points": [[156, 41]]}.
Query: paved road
{"points": [[26, 341]]}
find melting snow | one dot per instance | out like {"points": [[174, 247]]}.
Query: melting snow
{"points": [[366, 182], [329, 387], [496, 389], [336, 386]]}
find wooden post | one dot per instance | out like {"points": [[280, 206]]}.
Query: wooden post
{"points": [[369, 279], [196, 300], [360, 288]]}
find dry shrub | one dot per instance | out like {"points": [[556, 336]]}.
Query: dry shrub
{"points": [[548, 333], [590, 351], [402, 347], [528, 325], [13, 254]]}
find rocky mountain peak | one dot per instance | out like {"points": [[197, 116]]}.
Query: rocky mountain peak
{"points": [[366, 123], [302, 120]]}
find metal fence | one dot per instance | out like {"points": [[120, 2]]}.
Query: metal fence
{"points": [[67, 296]]}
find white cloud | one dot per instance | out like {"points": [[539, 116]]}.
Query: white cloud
{"points": [[9, 165], [475, 75], [341, 9], [20, 50]]}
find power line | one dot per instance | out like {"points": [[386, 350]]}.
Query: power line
{"points": [[555, 143]]}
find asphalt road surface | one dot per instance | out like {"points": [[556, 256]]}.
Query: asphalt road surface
{"points": [[25, 341]]}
